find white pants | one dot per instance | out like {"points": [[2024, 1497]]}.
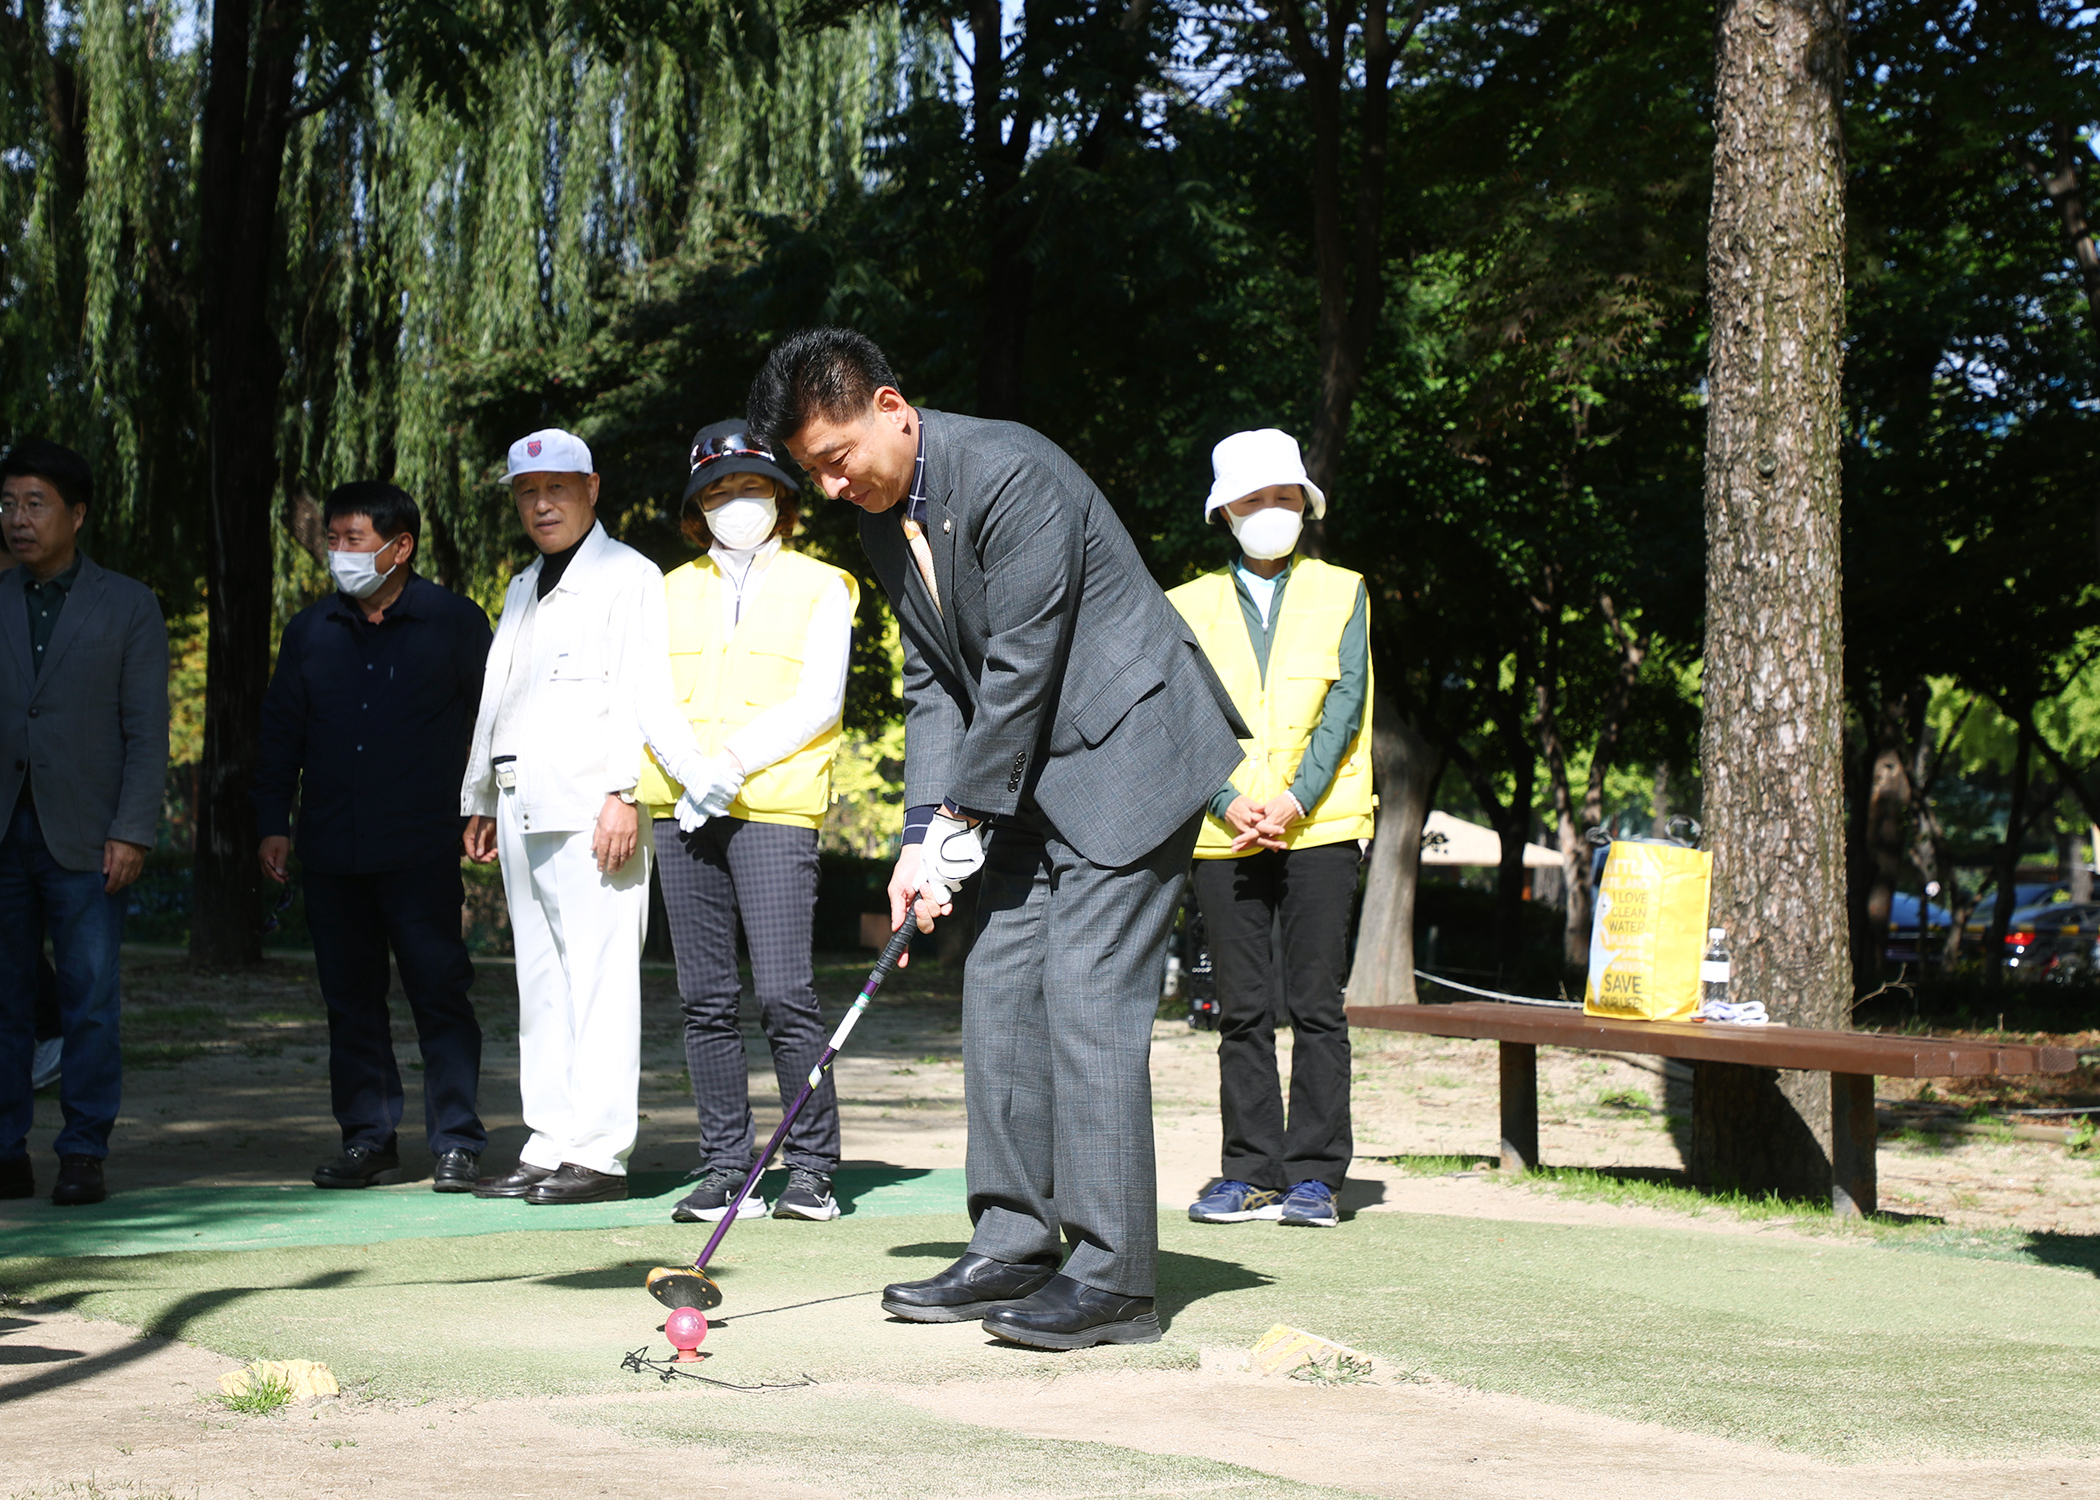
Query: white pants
{"points": [[578, 937]]}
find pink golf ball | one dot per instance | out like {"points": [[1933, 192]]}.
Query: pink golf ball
{"points": [[686, 1328]]}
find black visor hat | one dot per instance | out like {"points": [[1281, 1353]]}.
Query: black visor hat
{"points": [[732, 448]]}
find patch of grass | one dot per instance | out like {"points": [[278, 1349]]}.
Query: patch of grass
{"points": [[1440, 1166], [1625, 1099], [1342, 1369], [1652, 1187], [262, 1395]]}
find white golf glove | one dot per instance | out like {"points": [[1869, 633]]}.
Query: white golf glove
{"points": [[710, 786], [952, 852]]}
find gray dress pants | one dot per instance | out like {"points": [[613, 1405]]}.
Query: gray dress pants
{"points": [[765, 874], [1058, 1003]]}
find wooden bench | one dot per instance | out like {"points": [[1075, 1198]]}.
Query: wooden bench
{"points": [[1721, 1057]]}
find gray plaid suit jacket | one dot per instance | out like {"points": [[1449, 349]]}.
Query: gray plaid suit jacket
{"points": [[1055, 672]]}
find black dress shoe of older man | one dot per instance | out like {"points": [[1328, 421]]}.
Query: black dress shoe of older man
{"points": [[79, 1181], [456, 1171], [360, 1167], [573, 1184], [17, 1178], [970, 1288], [1068, 1314], [515, 1183]]}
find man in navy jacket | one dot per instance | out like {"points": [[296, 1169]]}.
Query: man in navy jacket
{"points": [[367, 722]]}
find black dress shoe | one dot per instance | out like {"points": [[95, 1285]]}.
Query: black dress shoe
{"points": [[455, 1171], [574, 1184], [360, 1167], [1068, 1314], [970, 1288], [17, 1178], [515, 1183], [79, 1181]]}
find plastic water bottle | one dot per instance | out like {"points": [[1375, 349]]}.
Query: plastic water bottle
{"points": [[1713, 969]]}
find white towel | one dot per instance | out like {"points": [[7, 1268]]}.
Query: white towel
{"points": [[1749, 1013]]}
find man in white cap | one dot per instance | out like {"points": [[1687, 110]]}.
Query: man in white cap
{"points": [[578, 680]]}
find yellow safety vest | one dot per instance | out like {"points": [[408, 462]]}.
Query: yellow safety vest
{"points": [[723, 684], [1304, 661]]}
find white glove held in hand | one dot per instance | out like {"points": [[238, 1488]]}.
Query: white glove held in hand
{"points": [[710, 786], [952, 852]]}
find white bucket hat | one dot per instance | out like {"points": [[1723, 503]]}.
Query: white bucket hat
{"points": [[548, 451], [1250, 461]]}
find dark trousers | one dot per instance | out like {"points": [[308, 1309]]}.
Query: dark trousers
{"points": [[86, 923], [765, 873], [354, 920], [1313, 889]]}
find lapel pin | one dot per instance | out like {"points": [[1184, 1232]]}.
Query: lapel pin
{"points": [[947, 524]]}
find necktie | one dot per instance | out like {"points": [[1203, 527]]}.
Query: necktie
{"points": [[915, 537]]}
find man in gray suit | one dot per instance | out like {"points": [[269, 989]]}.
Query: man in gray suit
{"points": [[83, 752], [1052, 693]]}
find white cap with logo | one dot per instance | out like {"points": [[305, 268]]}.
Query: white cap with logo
{"points": [[548, 451], [1250, 461]]}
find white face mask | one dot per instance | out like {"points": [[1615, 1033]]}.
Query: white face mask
{"points": [[743, 523], [1269, 533], [357, 573]]}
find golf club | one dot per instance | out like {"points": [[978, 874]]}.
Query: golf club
{"points": [[691, 1286]]}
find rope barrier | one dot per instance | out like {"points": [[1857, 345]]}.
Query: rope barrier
{"points": [[1497, 994]]}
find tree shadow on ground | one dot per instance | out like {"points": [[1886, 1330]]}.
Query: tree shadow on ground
{"points": [[2078, 1252], [171, 1324]]}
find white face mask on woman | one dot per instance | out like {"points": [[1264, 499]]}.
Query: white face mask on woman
{"points": [[743, 523], [1269, 533], [357, 573]]}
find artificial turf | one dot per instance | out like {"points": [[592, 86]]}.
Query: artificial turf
{"points": [[1834, 1349], [145, 1220]]}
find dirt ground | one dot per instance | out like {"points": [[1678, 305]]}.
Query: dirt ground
{"points": [[226, 1084]]}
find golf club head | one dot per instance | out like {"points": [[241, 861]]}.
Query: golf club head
{"points": [[684, 1286]]}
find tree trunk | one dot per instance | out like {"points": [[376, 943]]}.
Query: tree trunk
{"points": [[1880, 843], [1002, 155], [1407, 767], [2008, 896], [1773, 743], [246, 121]]}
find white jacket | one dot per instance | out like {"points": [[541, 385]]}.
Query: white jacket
{"points": [[599, 687]]}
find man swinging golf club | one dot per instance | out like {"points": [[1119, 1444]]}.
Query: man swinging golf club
{"points": [[1051, 691]]}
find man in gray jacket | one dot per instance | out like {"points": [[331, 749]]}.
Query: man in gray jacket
{"points": [[83, 752], [1052, 693]]}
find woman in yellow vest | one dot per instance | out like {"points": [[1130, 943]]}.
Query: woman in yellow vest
{"points": [[759, 643], [1290, 639]]}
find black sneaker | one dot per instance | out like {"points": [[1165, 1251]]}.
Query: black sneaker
{"points": [[709, 1199], [359, 1167], [808, 1196], [17, 1178]]}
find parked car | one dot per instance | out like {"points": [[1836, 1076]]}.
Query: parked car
{"points": [[1906, 945], [2049, 937]]}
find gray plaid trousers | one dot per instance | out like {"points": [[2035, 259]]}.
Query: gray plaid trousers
{"points": [[767, 874]]}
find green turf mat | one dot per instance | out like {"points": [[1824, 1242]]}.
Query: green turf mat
{"points": [[1821, 1346], [246, 1218]]}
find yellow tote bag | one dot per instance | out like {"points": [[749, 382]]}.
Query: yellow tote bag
{"points": [[1649, 932]]}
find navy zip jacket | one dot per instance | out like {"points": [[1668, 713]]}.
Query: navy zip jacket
{"points": [[368, 726]]}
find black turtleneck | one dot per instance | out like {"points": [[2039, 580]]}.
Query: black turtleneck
{"points": [[554, 564]]}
